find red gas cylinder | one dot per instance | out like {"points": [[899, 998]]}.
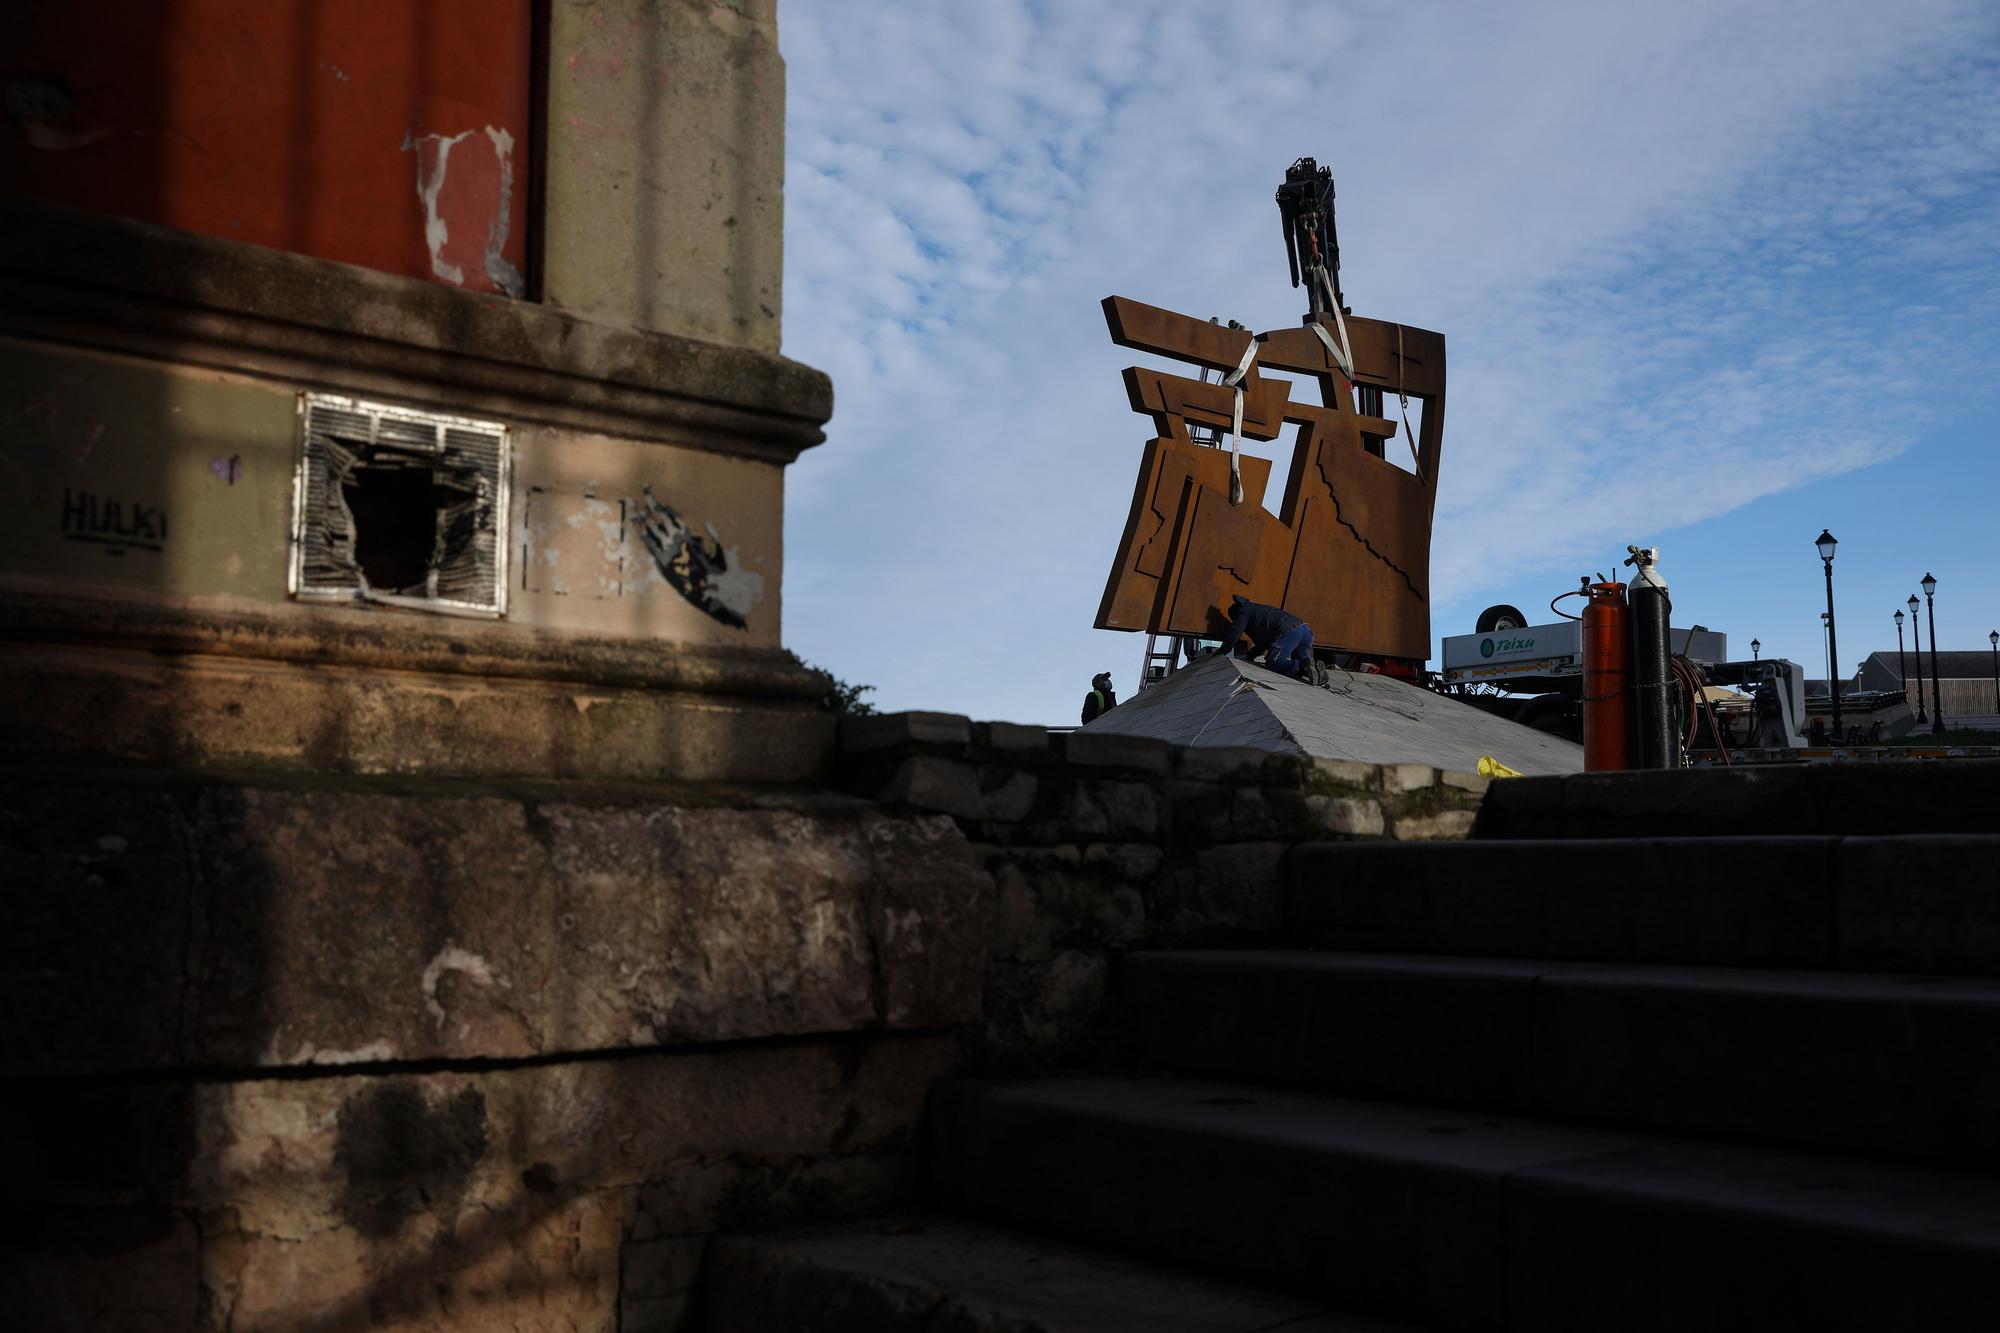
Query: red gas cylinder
{"points": [[1607, 700]]}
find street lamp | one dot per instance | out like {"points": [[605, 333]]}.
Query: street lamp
{"points": [[1917, 647], [1826, 648], [1902, 662], [1826, 542], [1755, 648], [1937, 695], [1994, 639]]}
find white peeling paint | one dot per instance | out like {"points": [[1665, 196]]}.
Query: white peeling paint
{"points": [[306, 1053], [502, 274], [735, 587], [433, 157], [451, 958]]}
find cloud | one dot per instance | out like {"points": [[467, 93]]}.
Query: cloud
{"points": [[1684, 259]]}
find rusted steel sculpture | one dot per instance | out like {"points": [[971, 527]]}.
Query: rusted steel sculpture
{"points": [[1348, 549]]}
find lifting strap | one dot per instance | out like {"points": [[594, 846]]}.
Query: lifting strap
{"points": [[1235, 381]]}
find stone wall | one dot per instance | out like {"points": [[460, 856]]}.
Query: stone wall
{"points": [[436, 1051], [414, 1054], [1099, 844]]}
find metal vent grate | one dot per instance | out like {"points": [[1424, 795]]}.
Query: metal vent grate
{"points": [[401, 507]]}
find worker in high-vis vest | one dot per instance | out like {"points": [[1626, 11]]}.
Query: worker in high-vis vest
{"points": [[1101, 699]]}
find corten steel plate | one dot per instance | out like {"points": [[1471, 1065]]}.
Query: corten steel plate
{"points": [[1348, 549]]}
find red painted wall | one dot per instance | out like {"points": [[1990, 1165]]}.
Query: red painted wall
{"points": [[376, 132]]}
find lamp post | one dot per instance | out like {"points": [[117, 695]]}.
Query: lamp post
{"points": [[1902, 662], [1827, 649], [1994, 639], [1826, 542], [1755, 649], [1917, 647], [1937, 694]]}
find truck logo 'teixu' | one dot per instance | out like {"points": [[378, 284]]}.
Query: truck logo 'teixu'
{"points": [[1488, 647]]}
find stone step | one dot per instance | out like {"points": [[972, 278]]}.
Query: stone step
{"points": [[1880, 1064], [1930, 796], [1471, 1220], [941, 1275], [1922, 903]]}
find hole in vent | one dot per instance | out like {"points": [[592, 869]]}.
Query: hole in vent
{"points": [[400, 506], [395, 513]]}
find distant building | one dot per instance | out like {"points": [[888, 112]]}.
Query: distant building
{"points": [[1965, 680]]}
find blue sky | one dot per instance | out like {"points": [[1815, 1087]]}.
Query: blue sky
{"points": [[1713, 277]]}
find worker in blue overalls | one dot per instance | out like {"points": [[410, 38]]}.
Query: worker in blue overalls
{"points": [[1284, 639]]}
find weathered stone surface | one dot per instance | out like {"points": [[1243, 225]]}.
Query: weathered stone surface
{"points": [[1013, 736], [1140, 754], [99, 884], [1229, 890], [1433, 826], [360, 922], [665, 201], [881, 730], [127, 284], [1346, 772], [223, 713], [1105, 809], [1345, 816], [1047, 1012], [1055, 898], [1466, 782], [1134, 863], [1405, 777], [931, 923], [423, 1199], [957, 787], [1234, 763]]}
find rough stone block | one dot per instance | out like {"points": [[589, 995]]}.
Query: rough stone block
{"points": [[1232, 889], [1346, 772], [930, 924], [1012, 736], [1104, 809], [1345, 816], [1467, 782], [1438, 826], [1045, 1012], [1132, 862], [1053, 899], [992, 792], [881, 730], [1405, 777], [1140, 754], [1234, 763], [362, 922]]}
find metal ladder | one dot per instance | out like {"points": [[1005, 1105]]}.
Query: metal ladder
{"points": [[1159, 663]]}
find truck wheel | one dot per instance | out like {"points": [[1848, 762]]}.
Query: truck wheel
{"points": [[1548, 713], [1497, 618]]}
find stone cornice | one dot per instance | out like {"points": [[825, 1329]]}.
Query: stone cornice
{"points": [[99, 281], [310, 637]]}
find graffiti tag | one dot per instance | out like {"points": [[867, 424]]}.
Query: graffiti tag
{"points": [[113, 524]]}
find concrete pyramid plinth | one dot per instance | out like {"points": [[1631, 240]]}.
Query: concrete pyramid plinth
{"points": [[1369, 718]]}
